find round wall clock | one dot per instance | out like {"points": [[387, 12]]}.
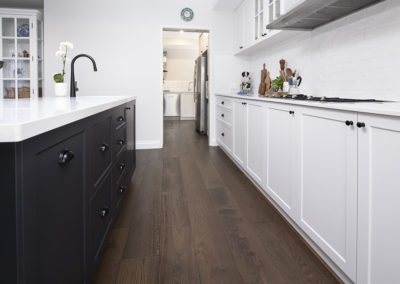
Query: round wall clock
{"points": [[187, 14]]}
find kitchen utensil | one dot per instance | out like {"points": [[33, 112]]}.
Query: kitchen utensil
{"points": [[298, 80], [283, 76], [289, 73], [267, 83], [263, 87], [282, 62]]}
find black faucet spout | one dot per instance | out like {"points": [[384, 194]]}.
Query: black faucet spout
{"points": [[73, 86]]}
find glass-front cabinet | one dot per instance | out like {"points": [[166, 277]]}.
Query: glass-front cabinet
{"points": [[21, 55], [266, 11]]}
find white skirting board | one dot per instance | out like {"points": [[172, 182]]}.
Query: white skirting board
{"points": [[148, 144], [310, 242]]}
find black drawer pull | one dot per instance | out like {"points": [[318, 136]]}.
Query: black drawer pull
{"points": [[222, 115], [65, 156], [222, 103], [291, 112], [104, 148], [122, 190], [222, 134], [120, 118], [104, 212], [121, 142], [349, 123], [122, 166], [244, 104], [360, 124]]}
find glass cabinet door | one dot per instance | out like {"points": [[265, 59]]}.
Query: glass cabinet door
{"points": [[40, 79]]}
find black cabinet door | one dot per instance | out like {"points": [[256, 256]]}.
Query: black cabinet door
{"points": [[53, 209], [130, 114]]}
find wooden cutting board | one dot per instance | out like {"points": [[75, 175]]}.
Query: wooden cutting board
{"points": [[263, 87]]}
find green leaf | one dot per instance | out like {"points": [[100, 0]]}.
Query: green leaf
{"points": [[58, 78]]}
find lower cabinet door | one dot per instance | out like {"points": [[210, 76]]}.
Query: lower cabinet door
{"points": [[379, 196], [255, 140], [224, 136], [281, 158], [239, 132], [327, 182], [53, 202]]}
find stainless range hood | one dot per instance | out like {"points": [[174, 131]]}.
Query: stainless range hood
{"points": [[314, 13]]}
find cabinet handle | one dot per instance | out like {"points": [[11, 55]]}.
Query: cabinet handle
{"points": [[104, 148], [122, 166], [104, 212], [241, 47], [122, 190], [121, 142], [244, 104], [360, 124], [120, 118], [264, 34], [349, 122], [222, 115], [291, 112], [222, 103], [222, 134], [65, 156]]}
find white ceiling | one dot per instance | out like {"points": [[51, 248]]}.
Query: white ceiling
{"points": [[226, 5], [28, 4], [186, 40]]}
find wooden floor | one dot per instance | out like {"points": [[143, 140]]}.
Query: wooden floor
{"points": [[191, 216]]}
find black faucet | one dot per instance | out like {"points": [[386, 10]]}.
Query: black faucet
{"points": [[74, 86]]}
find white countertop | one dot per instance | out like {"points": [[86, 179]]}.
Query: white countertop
{"points": [[384, 108], [25, 118]]}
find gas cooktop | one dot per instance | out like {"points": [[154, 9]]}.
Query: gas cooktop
{"points": [[302, 97]]}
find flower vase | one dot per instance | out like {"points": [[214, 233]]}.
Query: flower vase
{"points": [[60, 89]]}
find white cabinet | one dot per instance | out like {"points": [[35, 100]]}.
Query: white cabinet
{"points": [[327, 182], [239, 132], [239, 26], [281, 156], [378, 200], [188, 106], [203, 43], [21, 50]]}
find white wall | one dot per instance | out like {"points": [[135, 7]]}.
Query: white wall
{"points": [[357, 57], [125, 38], [180, 63]]}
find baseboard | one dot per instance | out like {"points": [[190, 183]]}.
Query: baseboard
{"points": [[148, 144], [325, 260], [188, 118]]}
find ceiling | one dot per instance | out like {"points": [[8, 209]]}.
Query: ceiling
{"points": [[28, 4], [226, 5], [180, 40]]}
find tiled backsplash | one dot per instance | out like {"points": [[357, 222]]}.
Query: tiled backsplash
{"points": [[357, 56], [178, 86]]}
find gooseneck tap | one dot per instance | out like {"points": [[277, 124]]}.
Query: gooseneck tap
{"points": [[74, 86]]}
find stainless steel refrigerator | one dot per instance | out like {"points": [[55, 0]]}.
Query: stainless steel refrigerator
{"points": [[200, 93]]}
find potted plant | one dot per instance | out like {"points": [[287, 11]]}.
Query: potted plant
{"points": [[60, 87]]}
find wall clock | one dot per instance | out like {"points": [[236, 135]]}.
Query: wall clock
{"points": [[187, 14]]}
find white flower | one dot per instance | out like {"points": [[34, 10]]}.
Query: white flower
{"points": [[60, 53], [66, 45]]}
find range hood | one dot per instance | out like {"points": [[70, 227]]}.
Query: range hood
{"points": [[311, 14]]}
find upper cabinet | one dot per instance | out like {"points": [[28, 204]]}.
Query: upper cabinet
{"points": [[21, 53]]}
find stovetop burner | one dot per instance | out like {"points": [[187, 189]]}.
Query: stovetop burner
{"points": [[302, 97]]}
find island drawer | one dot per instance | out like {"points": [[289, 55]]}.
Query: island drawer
{"points": [[224, 102], [120, 167], [119, 117], [119, 141], [224, 114]]}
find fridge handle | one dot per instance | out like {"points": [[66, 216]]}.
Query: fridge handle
{"points": [[195, 82]]}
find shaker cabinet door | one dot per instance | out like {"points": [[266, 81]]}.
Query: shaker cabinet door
{"points": [[53, 209], [327, 182], [239, 132], [378, 198]]}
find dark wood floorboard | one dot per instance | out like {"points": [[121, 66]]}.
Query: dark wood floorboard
{"points": [[191, 216]]}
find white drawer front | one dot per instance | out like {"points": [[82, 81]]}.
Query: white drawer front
{"points": [[224, 115], [225, 102], [224, 136]]}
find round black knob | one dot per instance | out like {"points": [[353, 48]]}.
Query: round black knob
{"points": [[222, 134], [241, 47], [222, 115], [122, 190], [104, 212], [349, 122], [121, 142], [65, 156], [104, 147], [264, 34], [291, 112], [122, 166], [360, 124], [222, 102], [120, 118]]}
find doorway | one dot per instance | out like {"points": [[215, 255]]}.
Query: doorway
{"points": [[185, 78]]}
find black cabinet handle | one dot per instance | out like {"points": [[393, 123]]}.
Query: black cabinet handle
{"points": [[104, 148], [244, 104], [349, 122], [65, 156], [120, 118], [264, 34], [127, 108], [222, 115], [121, 142], [122, 190], [291, 112], [222, 103], [122, 166], [222, 134], [241, 47], [104, 212], [360, 124]]}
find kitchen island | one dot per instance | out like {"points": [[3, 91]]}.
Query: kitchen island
{"points": [[66, 165]]}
